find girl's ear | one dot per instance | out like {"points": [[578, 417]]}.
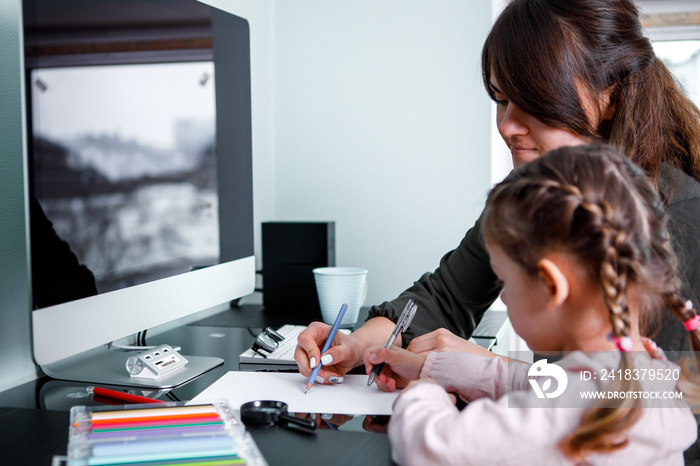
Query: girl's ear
{"points": [[556, 282]]}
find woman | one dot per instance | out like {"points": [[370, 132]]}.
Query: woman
{"points": [[562, 73]]}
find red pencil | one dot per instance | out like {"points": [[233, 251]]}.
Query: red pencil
{"points": [[117, 395]]}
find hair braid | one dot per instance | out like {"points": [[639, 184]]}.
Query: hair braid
{"points": [[613, 267], [601, 427], [685, 313], [689, 382]]}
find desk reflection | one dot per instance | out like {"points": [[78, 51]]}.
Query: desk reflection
{"points": [[62, 395], [341, 421]]}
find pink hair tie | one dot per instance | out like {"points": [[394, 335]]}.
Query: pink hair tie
{"points": [[691, 324], [622, 343]]}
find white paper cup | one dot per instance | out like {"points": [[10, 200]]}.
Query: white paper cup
{"points": [[336, 286]]}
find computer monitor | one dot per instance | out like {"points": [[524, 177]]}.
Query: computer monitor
{"points": [[139, 179]]}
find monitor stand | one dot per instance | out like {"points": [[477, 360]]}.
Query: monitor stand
{"points": [[104, 366]]}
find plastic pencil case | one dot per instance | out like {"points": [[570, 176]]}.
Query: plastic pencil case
{"points": [[160, 434]]}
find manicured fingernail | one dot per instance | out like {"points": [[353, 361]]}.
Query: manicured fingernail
{"points": [[319, 379], [326, 416], [312, 362], [372, 357], [326, 359], [335, 379]]}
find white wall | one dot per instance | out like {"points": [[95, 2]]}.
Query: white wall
{"points": [[367, 112], [382, 124], [371, 113]]}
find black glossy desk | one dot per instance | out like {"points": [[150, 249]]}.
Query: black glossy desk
{"points": [[34, 417], [33, 436]]}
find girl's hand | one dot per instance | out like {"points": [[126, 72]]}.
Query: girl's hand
{"points": [[442, 340], [413, 383], [400, 366]]}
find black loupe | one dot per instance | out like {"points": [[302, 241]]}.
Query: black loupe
{"points": [[270, 413]]}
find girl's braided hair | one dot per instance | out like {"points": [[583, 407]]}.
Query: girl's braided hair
{"points": [[598, 207]]}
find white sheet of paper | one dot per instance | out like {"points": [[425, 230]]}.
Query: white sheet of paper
{"points": [[350, 397]]}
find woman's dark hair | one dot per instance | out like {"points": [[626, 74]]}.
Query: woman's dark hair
{"points": [[548, 54]]}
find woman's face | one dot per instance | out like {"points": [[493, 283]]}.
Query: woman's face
{"points": [[527, 137]]}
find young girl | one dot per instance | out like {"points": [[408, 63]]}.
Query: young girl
{"points": [[578, 239]]}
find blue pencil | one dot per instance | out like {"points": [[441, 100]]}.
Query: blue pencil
{"points": [[329, 341]]}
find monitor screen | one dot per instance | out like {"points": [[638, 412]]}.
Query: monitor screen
{"points": [[139, 171], [123, 166]]}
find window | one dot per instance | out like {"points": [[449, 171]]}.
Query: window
{"points": [[674, 29], [682, 57]]}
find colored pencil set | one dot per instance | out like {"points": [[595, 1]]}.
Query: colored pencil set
{"points": [[162, 434]]}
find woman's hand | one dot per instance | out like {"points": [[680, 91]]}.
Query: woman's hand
{"points": [[442, 340], [346, 351], [400, 366], [343, 355]]}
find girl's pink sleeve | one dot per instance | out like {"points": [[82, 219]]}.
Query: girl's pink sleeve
{"points": [[473, 376], [426, 428]]}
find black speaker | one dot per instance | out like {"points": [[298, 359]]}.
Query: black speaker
{"points": [[290, 251]]}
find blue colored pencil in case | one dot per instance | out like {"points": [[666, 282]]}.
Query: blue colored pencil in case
{"points": [[174, 434]]}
